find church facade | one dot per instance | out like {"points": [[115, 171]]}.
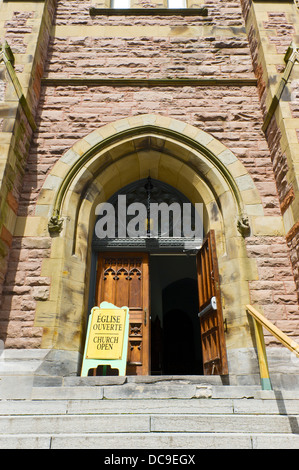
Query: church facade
{"points": [[186, 103]]}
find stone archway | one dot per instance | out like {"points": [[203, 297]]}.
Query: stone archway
{"points": [[115, 155]]}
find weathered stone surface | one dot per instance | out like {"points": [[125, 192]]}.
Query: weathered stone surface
{"points": [[74, 424], [215, 423], [67, 393], [141, 391]]}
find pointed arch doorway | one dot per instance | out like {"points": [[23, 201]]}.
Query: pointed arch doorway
{"points": [[106, 160], [176, 324]]}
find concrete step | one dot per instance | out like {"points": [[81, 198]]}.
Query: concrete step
{"points": [[104, 387], [141, 392], [131, 423], [164, 441], [145, 413], [174, 406], [150, 387]]}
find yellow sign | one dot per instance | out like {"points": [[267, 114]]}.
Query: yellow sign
{"points": [[106, 334]]}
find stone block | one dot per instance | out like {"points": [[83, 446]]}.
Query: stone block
{"points": [[216, 147], [141, 391], [275, 442], [74, 424], [227, 157], [67, 393], [154, 441], [70, 157], [214, 423], [52, 182], [32, 407], [25, 442], [269, 226], [264, 406], [93, 381], [10, 388], [150, 406], [31, 226], [60, 363], [245, 182], [45, 316]]}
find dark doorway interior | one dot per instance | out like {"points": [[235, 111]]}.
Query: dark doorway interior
{"points": [[175, 333]]}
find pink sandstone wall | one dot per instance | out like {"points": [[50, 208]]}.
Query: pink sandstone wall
{"points": [[280, 32], [21, 29], [66, 114]]}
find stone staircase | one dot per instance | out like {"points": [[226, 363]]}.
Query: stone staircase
{"points": [[144, 413]]}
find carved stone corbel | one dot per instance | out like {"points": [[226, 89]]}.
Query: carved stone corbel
{"points": [[55, 224], [243, 224]]}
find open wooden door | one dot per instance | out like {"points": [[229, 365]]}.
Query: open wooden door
{"points": [[123, 280], [210, 309]]}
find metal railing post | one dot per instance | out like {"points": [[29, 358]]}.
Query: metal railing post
{"points": [[259, 322], [262, 356]]}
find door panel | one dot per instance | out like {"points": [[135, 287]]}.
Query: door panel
{"points": [[123, 280], [211, 320]]}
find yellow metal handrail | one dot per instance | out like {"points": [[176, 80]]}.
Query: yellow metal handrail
{"points": [[259, 322]]}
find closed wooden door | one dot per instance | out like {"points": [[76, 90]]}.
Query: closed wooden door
{"points": [[123, 280], [210, 309]]}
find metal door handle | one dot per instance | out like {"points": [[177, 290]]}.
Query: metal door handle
{"points": [[211, 306], [145, 316]]}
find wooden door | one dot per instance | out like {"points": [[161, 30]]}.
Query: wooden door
{"points": [[123, 280], [211, 319]]}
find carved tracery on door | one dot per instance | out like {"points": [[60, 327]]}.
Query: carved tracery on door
{"points": [[123, 280]]}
